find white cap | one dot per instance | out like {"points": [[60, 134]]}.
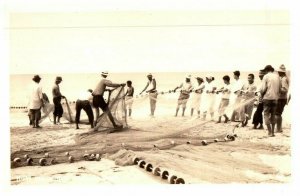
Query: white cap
{"points": [[188, 76], [105, 73]]}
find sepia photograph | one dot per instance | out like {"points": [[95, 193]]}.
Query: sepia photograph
{"points": [[189, 93]]}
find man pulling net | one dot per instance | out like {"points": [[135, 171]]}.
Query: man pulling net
{"points": [[98, 101]]}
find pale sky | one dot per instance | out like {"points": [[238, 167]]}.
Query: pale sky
{"points": [[181, 37]]}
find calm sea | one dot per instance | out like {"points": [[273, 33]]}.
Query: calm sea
{"points": [[74, 84]]}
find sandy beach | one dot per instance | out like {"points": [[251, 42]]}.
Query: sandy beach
{"points": [[171, 143]]}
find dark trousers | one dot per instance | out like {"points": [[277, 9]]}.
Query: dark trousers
{"points": [[34, 116], [258, 115], [280, 106], [58, 109], [269, 111], [85, 105]]}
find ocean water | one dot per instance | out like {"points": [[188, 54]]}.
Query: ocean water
{"points": [[74, 84]]}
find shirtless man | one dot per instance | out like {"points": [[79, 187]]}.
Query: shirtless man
{"points": [[129, 97], [57, 96]]}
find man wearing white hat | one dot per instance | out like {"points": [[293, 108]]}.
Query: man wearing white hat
{"points": [[186, 88], [98, 100], [282, 100], [196, 98], [237, 96], [209, 104], [151, 89]]}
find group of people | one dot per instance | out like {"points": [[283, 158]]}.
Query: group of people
{"points": [[270, 98], [38, 99]]}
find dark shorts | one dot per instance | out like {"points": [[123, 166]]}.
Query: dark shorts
{"points": [[280, 106], [98, 101], [269, 111], [58, 109], [35, 114]]}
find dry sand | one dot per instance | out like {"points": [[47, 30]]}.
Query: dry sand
{"points": [[251, 158]]}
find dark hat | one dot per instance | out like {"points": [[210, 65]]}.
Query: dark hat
{"points": [[200, 79], [90, 90], [58, 78], [268, 68], [36, 78], [209, 77], [261, 72]]}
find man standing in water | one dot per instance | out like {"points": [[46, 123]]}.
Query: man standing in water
{"points": [[57, 96], [98, 100], [151, 86], [35, 102]]}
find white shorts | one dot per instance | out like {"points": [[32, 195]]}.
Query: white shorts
{"points": [[196, 99], [128, 102]]}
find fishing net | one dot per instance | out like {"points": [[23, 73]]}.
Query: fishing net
{"points": [[68, 114], [116, 105]]}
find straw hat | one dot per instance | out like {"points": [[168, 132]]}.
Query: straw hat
{"points": [[282, 68], [104, 73]]}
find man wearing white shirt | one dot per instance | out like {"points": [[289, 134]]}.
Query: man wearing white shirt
{"points": [[196, 99], [225, 90], [210, 97], [248, 99], [236, 89], [84, 101], [35, 102]]}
